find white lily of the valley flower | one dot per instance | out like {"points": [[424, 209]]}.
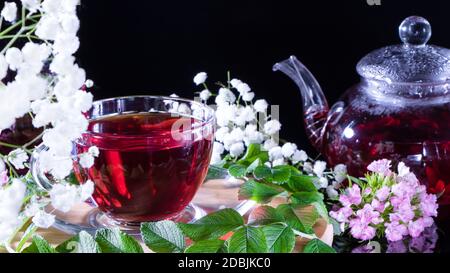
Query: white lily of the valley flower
{"points": [[340, 173], [64, 197], [200, 78], [43, 219], [261, 105], [403, 170], [205, 95], [86, 190], [272, 127], [9, 11], [319, 168]]}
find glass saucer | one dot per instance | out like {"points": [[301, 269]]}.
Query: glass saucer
{"points": [[213, 195]]}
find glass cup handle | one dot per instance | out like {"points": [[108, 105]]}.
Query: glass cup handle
{"points": [[36, 170]]}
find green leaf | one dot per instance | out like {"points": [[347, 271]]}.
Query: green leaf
{"points": [[83, 242], [237, 170], [299, 183], [116, 241], [279, 238], [39, 245], [281, 174], [262, 172], [306, 198], [321, 209], [307, 215], [253, 166], [258, 191], [292, 220], [206, 246], [247, 240], [163, 237], [215, 172], [213, 226], [254, 152], [317, 246], [264, 215]]}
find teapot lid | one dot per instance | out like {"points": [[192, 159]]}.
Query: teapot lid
{"points": [[412, 62]]}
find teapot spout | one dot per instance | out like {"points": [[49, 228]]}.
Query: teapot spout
{"points": [[315, 106]]}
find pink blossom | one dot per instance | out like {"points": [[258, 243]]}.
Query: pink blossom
{"points": [[361, 231], [342, 214], [427, 222], [351, 197], [4, 178], [395, 231], [404, 190], [377, 205], [405, 211], [368, 215], [409, 179], [382, 167], [383, 193], [428, 205], [367, 191], [415, 228]]}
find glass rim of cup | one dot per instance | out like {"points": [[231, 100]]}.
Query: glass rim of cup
{"points": [[204, 122]]}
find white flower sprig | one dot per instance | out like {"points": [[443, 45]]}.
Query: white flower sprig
{"points": [[42, 80], [241, 121]]}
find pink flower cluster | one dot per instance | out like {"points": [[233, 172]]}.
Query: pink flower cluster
{"points": [[385, 202]]}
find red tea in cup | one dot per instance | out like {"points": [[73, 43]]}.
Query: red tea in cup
{"points": [[149, 167]]}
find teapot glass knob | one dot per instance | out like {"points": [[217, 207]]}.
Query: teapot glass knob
{"points": [[415, 31]]}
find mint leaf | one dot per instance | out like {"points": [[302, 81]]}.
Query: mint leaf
{"points": [[264, 215], [247, 240], [39, 245], [281, 174], [116, 241], [254, 152], [163, 237], [302, 183], [237, 170], [308, 215], [262, 172], [253, 166], [258, 191], [306, 198], [206, 246], [317, 246], [280, 238], [321, 209], [215, 172], [213, 226], [83, 242], [292, 220]]}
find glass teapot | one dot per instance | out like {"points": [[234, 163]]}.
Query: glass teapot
{"points": [[400, 110]]}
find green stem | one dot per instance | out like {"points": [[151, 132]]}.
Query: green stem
{"points": [[20, 36], [28, 233], [26, 145], [19, 24], [9, 145]]}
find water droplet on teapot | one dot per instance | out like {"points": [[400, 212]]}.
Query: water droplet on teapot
{"points": [[415, 31]]}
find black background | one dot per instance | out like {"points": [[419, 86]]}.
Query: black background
{"points": [[156, 47]]}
